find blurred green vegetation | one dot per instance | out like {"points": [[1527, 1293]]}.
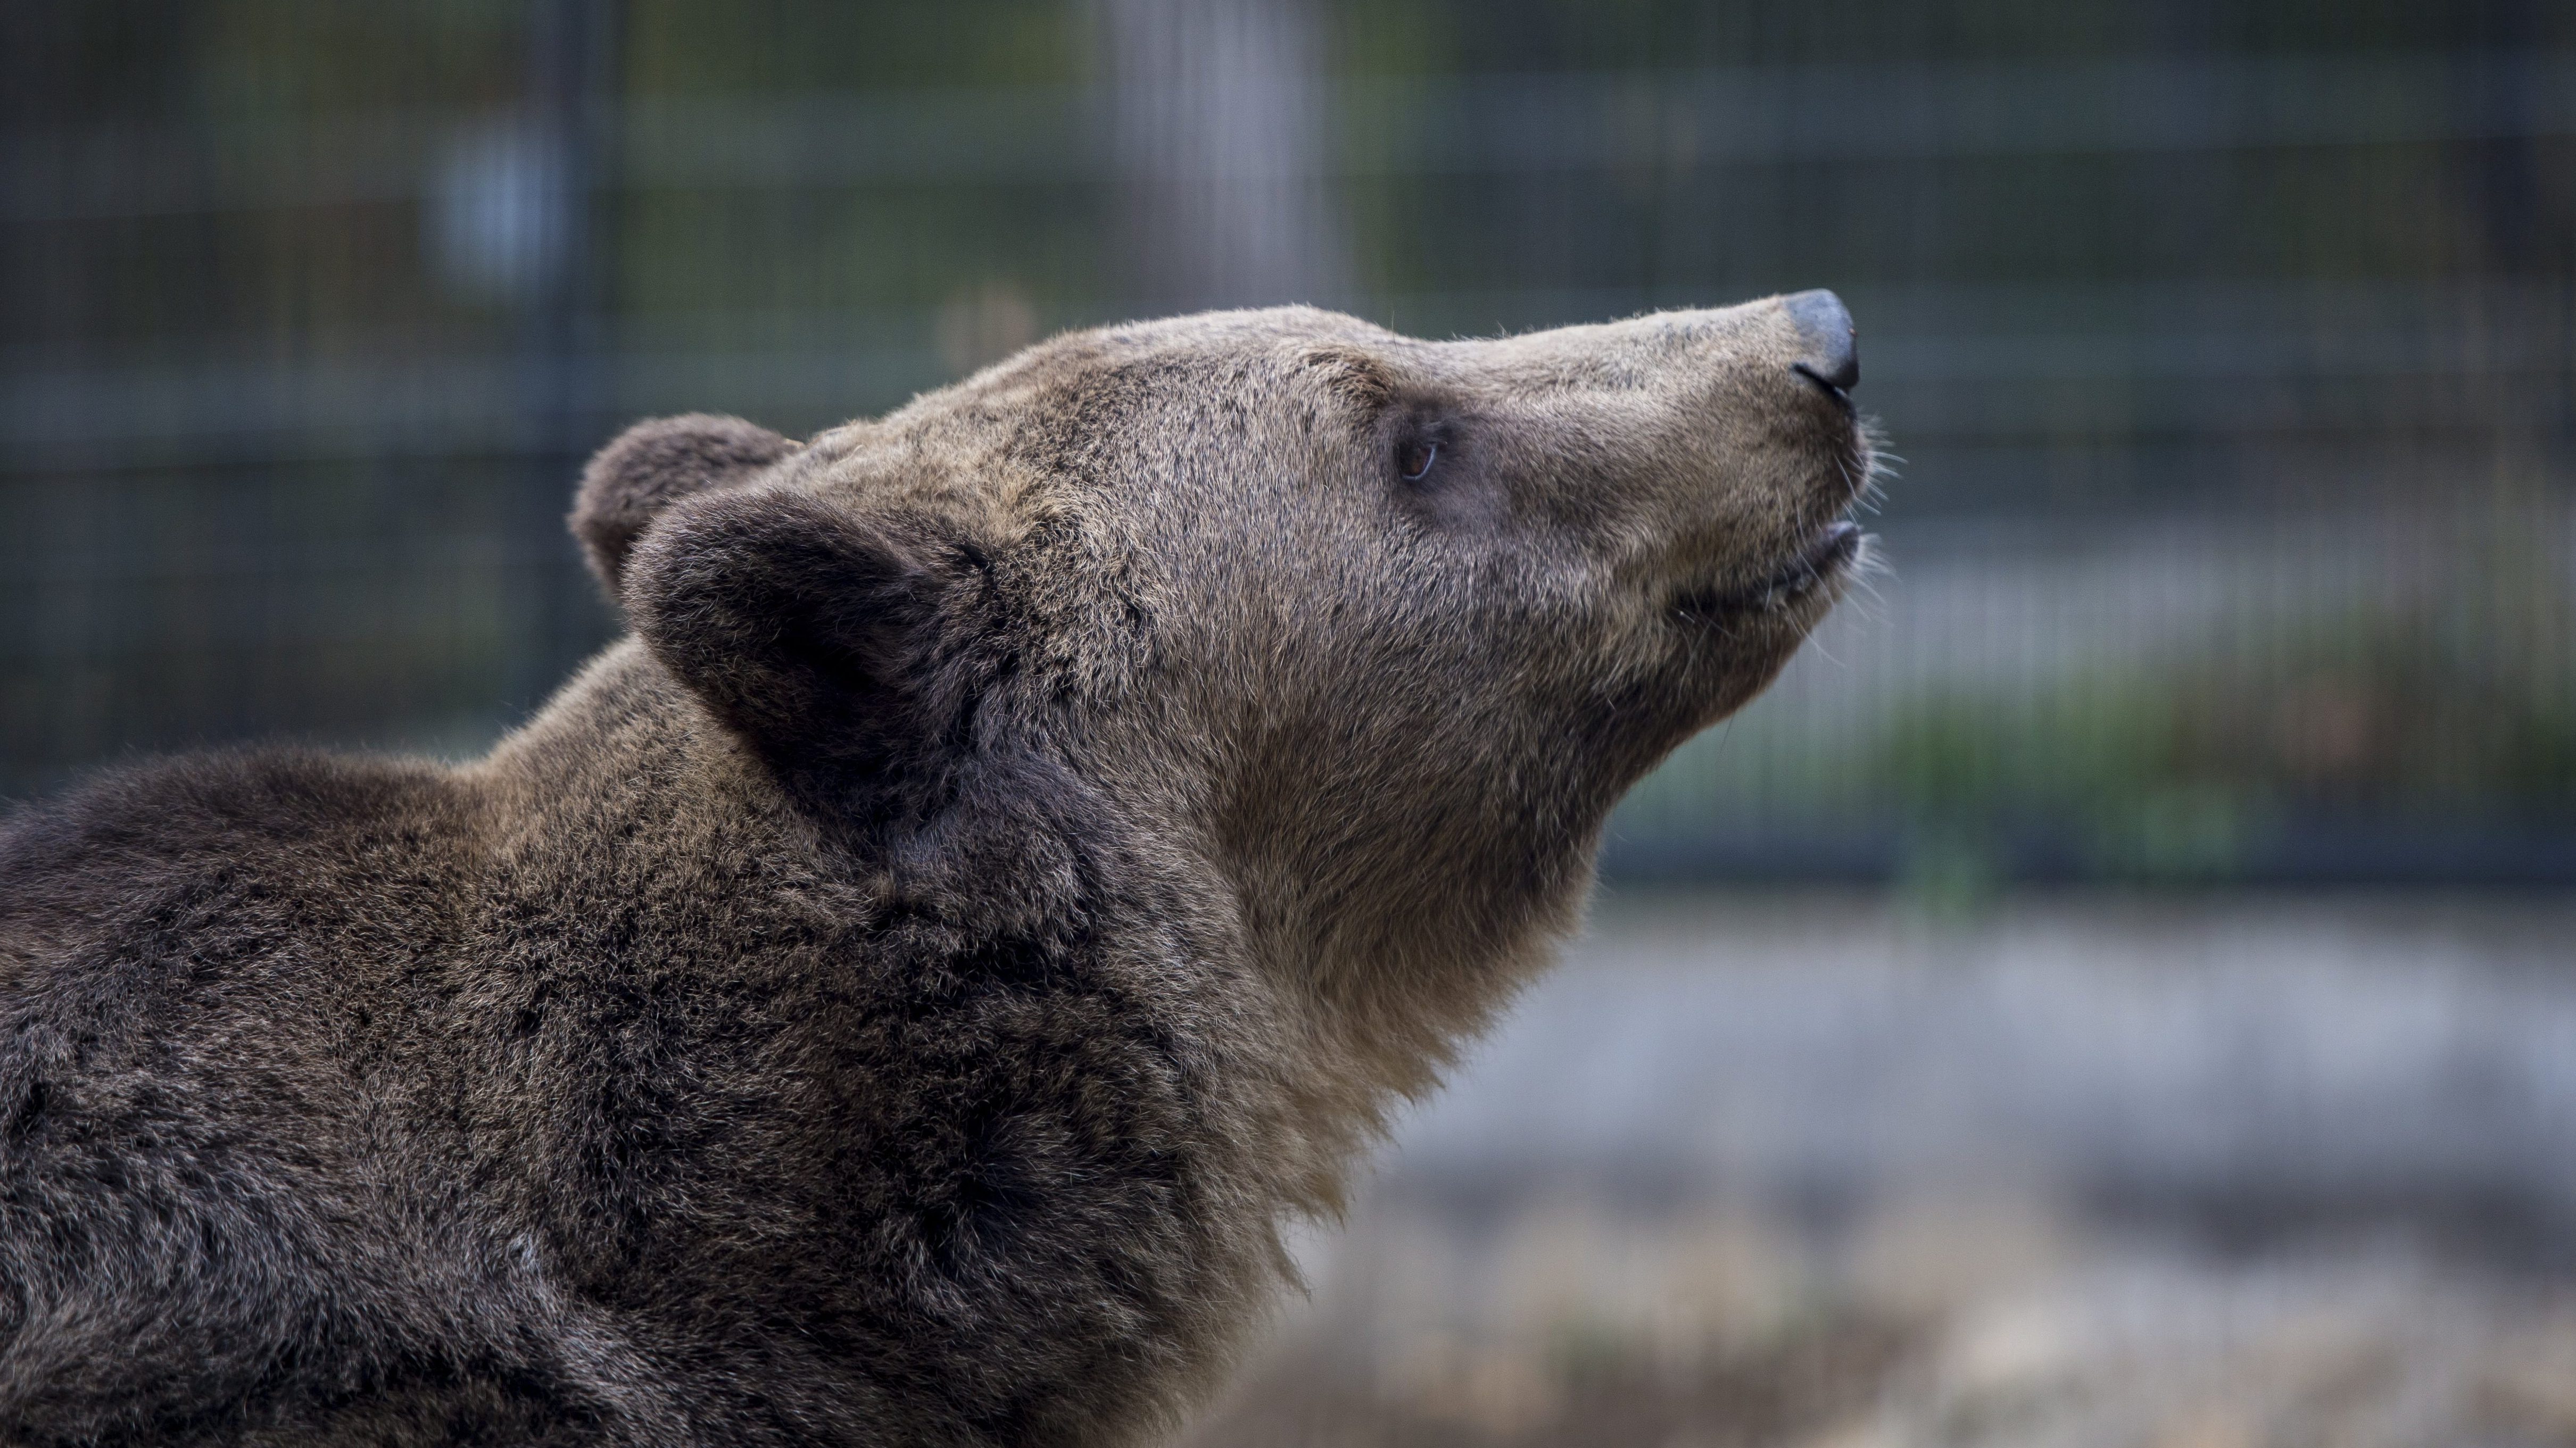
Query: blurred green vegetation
{"points": [[2167, 767], [2445, 702]]}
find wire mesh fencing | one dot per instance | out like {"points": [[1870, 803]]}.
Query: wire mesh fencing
{"points": [[2235, 372]]}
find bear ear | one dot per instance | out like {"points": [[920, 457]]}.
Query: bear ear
{"points": [[655, 464], [807, 630]]}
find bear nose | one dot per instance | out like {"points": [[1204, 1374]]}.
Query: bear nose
{"points": [[1833, 345]]}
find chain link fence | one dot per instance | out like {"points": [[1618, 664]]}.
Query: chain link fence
{"points": [[2233, 358]]}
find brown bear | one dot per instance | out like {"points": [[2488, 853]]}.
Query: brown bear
{"points": [[900, 994]]}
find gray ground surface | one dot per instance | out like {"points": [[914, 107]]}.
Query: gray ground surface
{"points": [[2074, 1170]]}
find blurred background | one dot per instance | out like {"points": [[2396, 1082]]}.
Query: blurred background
{"points": [[2117, 988]]}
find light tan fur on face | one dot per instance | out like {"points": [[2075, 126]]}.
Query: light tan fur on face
{"points": [[1391, 720]]}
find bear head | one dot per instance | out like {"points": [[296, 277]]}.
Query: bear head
{"points": [[1373, 630]]}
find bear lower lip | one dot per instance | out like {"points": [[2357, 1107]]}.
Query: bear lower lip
{"points": [[1826, 555]]}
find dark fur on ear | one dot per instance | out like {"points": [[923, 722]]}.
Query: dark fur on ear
{"points": [[808, 631], [654, 464]]}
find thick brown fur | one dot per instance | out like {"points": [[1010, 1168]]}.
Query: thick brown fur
{"points": [[900, 994]]}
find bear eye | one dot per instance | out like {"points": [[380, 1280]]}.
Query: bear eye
{"points": [[1415, 458]]}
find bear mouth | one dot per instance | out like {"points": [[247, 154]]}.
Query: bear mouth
{"points": [[1825, 557]]}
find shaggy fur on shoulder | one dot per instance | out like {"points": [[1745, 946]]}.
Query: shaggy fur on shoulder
{"points": [[899, 994]]}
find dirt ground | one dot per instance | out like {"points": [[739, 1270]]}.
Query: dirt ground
{"points": [[2172, 1175], [1932, 1326]]}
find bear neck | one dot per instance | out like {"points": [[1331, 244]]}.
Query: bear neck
{"points": [[1398, 993], [1401, 935], [1307, 1043], [1336, 1005]]}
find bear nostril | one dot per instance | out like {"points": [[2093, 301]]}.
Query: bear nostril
{"points": [[1833, 346]]}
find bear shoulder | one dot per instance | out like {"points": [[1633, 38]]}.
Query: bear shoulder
{"points": [[271, 842]]}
